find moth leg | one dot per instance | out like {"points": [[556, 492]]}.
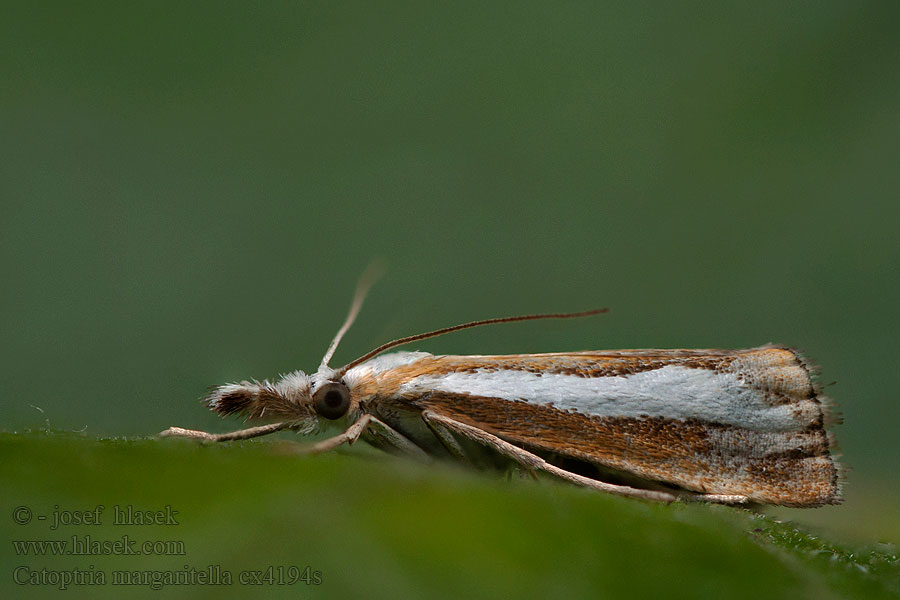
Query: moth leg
{"points": [[371, 427], [520, 472], [447, 440], [534, 462], [243, 434], [380, 432], [718, 498], [456, 450]]}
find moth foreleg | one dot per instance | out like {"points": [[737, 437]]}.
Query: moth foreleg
{"points": [[535, 462], [372, 428], [243, 434]]}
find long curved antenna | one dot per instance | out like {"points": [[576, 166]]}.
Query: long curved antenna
{"points": [[369, 277], [422, 336]]}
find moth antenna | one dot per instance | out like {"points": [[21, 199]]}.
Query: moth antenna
{"points": [[423, 336], [369, 277]]}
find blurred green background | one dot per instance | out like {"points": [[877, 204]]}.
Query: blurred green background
{"points": [[191, 190]]}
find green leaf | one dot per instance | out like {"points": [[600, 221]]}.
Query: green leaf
{"points": [[374, 526]]}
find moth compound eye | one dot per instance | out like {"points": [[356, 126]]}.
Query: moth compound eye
{"points": [[332, 400]]}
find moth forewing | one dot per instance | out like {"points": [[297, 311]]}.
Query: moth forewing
{"points": [[735, 423]]}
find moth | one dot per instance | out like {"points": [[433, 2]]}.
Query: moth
{"points": [[723, 426]]}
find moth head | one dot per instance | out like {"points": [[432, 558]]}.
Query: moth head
{"points": [[304, 400]]}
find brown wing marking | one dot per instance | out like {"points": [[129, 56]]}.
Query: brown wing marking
{"points": [[789, 468]]}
